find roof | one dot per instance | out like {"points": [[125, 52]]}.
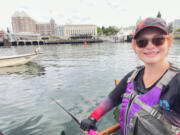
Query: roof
{"points": [[20, 14]]}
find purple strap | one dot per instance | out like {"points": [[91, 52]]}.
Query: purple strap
{"points": [[1, 133]]}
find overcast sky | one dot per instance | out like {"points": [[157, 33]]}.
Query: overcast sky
{"points": [[118, 13]]}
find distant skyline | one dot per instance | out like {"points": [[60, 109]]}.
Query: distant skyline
{"points": [[120, 13]]}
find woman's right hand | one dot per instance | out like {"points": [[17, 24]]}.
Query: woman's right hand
{"points": [[87, 124]]}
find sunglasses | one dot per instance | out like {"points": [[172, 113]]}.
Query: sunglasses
{"points": [[156, 40]]}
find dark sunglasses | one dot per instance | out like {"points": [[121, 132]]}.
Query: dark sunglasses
{"points": [[156, 40]]}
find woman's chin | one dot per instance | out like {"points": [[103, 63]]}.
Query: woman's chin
{"points": [[150, 61]]}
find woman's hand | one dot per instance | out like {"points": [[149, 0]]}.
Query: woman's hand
{"points": [[87, 124]]}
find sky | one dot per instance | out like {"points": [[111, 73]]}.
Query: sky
{"points": [[120, 13]]}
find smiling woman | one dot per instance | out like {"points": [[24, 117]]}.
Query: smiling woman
{"points": [[152, 45], [142, 92]]}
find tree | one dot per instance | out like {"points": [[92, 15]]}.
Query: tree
{"points": [[103, 28], [111, 30], [99, 31], [170, 27], [159, 14]]}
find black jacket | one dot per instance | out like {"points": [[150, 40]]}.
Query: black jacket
{"points": [[169, 101]]}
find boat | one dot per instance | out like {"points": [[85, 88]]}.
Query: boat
{"points": [[130, 36], [113, 38], [16, 60]]}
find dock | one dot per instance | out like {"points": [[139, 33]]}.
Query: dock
{"points": [[48, 42]]}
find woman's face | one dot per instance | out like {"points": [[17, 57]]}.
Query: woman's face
{"points": [[152, 54]]}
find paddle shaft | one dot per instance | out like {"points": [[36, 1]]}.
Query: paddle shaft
{"points": [[92, 132], [72, 116], [110, 130]]}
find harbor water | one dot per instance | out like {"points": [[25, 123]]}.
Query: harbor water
{"points": [[79, 77]]}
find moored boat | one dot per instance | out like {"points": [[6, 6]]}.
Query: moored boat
{"points": [[7, 61]]}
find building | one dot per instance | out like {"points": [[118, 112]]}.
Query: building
{"points": [[2, 35], [43, 29], [21, 22], [84, 29], [60, 31], [24, 36], [53, 27], [128, 30], [46, 29], [176, 25]]}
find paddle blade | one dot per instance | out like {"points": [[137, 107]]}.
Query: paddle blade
{"points": [[63, 133]]}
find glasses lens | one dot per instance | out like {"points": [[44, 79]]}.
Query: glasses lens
{"points": [[158, 41], [141, 43]]}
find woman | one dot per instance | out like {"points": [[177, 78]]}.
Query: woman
{"points": [[150, 95]]}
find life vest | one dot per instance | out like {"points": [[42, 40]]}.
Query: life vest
{"points": [[140, 114]]}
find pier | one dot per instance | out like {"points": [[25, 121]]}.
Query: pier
{"points": [[46, 42]]}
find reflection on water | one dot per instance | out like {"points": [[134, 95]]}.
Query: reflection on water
{"points": [[14, 69], [78, 76], [30, 68]]}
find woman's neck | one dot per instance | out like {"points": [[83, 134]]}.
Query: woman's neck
{"points": [[153, 72], [158, 68]]}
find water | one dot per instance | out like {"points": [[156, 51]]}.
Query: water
{"points": [[77, 76]]}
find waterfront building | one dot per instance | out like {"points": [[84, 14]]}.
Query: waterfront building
{"points": [[21, 22], [2, 35], [46, 29], [53, 27], [128, 30], [71, 30], [60, 31], [176, 29], [43, 29], [23, 36], [176, 25]]}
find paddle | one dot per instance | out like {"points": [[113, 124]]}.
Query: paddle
{"points": [[91, 132], [110, 130]]}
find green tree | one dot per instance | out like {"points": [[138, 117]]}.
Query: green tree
{"points": [[111, 30], [103, 28], [99, 31], [170, 27]]}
